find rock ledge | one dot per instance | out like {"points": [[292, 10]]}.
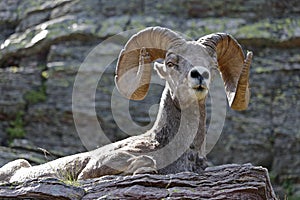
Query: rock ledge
{"points": [[221, 182]]}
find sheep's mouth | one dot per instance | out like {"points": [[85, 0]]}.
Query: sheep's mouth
{"points": [[200, 88]]}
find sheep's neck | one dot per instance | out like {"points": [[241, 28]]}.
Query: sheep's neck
{"points": [[170, 120], [170, 117]]}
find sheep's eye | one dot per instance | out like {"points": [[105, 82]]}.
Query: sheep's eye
{"points": [[170, 64]]}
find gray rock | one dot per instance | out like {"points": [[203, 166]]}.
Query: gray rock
{"points": [[271, 106], [26, 151], [14, 84], [233, 181]]}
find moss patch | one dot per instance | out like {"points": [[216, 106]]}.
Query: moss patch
{"points": [[36, 96], [273, 30], [16, 129]]}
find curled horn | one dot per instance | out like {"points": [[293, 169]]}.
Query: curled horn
{"points": [[133, 71], [233, 65]]}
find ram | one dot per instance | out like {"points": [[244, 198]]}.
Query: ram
{"points": [[176, 142]]}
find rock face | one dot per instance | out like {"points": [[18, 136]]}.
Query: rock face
{"points": [[222, 182], [43, 44]]}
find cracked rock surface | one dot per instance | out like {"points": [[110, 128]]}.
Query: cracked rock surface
{"points": [[222, 182]]}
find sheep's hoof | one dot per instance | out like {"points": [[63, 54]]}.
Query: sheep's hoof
{"points": [[141, 164], [145, 170]]}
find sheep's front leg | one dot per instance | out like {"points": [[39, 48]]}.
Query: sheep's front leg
{"points": [[119, 162]]}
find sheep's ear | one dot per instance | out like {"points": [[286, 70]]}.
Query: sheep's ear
{"points": [[233, 65], [160, 69]]}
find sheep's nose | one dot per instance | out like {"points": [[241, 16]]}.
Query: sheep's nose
{"points": [[195, 74]]}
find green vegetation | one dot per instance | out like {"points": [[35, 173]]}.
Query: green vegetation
{"points": [[270, 29], [69, 176], [16, 129], [69, 179], [288, 187], [36, 96], [292, 198]]}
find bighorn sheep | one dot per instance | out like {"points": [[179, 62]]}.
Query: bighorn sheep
{"points": [[188, 69]]}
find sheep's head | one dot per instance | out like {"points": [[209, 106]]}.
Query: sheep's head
{"points": [[188, 66], [187, 75]]}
